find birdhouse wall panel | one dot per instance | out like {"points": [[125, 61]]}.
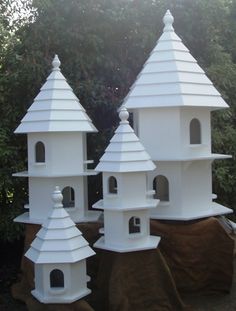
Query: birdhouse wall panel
{"points": [[114, 227], [137, 227], [172, 171], [203, 146], [196, 185], [117, 233], [64, 153], [50, 291], [67, 153], [39, 278], [133, 188], [40, 196], [159, 131], [111, 188], [38, 166], [78, 277]]}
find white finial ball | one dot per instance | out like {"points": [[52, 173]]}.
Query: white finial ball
{"points": [[57, 197], [168, 19], [56, 62], [123, 115]]}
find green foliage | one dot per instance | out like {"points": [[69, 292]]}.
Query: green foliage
{"points": [[102, 45]]}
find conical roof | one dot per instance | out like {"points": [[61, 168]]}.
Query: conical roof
{"points": [[56, 108], [171, 77], [125, 153], [59, 240]]}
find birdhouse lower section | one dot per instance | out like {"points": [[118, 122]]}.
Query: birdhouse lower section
{"points": [[127, 231], [60, 283], [184, 189], [74, 191]]}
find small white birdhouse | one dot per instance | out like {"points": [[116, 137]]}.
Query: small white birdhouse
{"points": [[126, 200], [59, 252], [56, 125], [171, 101]]}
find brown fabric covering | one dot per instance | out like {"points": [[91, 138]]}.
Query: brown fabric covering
{"points": [[136, 281], [34, 305], [199, 254]]}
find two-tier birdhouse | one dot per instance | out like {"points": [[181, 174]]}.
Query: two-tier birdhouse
{"points": [[171, 101], [126, 199], [56, 125]]}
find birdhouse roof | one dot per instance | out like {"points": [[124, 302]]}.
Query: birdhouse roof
{"points": [[125, 153], [59, 240], [56, 108], [172, 77]]}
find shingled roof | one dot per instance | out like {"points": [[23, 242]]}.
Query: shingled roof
{"points": [[59, 240], [171, 77], [56, 108], [125, 153]]}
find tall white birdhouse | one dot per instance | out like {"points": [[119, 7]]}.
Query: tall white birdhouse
{"points": [[56, 125], [126, 198], [171, 101], [59, 253]]}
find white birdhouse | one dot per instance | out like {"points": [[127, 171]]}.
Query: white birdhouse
{"points": [[59, 253], [171, 101], [126, 200], [56, 125]]}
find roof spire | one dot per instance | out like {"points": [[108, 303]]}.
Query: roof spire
{"points": [[57, 198], [168, 20], [123, 115], [56, 63]]}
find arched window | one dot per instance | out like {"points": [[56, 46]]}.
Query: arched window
{"points": [[195, 132], [134, 225], [68, 197], [56, 278], [39, 152], [112, 185], [161, 186]]}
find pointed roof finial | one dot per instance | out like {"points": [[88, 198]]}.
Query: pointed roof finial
{"points": [[168, 20], [56, 63], [123, 115], [57, 197]]}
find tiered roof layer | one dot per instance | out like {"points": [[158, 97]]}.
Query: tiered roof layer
{"points": [[59, 240], [56, 108], [172, 77], [125, 153]]}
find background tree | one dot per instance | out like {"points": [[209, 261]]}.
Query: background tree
{"points": [[102, 45]]}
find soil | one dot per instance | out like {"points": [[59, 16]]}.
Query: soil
{"points": [[9, 273]]}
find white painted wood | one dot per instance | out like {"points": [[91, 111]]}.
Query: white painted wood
{"points": [[125, 153], [59, 245], [184, 81], [57, 121], [171, 101], [56, 108], [126, 199]]}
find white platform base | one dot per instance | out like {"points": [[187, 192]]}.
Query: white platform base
{"points": [[165, 213], [151, 243], [91, 216], [57, 299]]}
